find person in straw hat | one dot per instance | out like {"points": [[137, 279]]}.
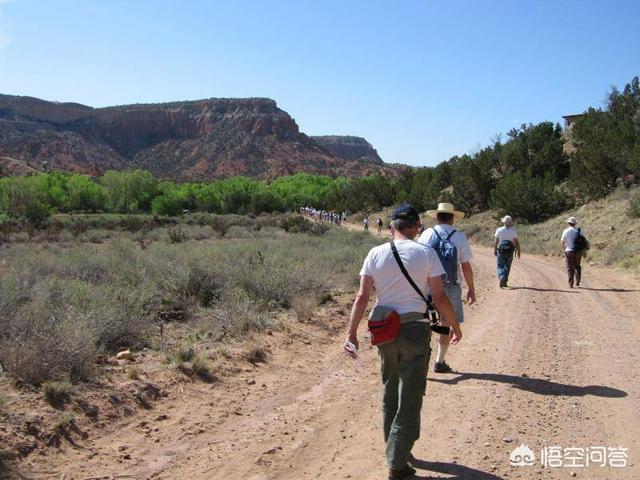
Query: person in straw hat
{"points": [[453, 249], [573, 253], [506, 243]]}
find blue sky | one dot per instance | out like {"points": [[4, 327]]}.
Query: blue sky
{"points": [[421, 80]]}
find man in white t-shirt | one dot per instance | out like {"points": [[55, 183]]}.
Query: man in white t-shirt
{"points": [[505, 245], [444, 231], [404, 360], [573, 257]]}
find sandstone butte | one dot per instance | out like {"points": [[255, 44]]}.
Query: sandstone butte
{"points": [[184, 141]]}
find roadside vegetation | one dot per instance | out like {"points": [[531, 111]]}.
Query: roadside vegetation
{"points": [[66, 303]]}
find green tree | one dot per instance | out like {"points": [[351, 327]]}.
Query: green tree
{"points": [[26, 198], [607, 144], [170, 201], [529, 199], [129, 191], [84, 194]]}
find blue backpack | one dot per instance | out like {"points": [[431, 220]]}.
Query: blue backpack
{"points": [[448, 255]]}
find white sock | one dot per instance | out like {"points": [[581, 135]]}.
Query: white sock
{"points": [[442, 351]]}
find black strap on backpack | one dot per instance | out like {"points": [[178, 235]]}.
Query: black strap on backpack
{"points": [[440, 237], [430, 308]]}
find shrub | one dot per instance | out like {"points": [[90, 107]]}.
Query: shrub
{"points": [[240, 314], [133, 373], [296, 224], [176, 235], [304, 307], [184, 352], [201, 367], [256, 353], [57, 393], [44, 338]]}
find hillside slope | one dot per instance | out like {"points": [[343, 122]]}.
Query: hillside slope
{"points": [[193, 140], [614, 236]]}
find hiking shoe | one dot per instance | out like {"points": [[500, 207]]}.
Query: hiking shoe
{"points": [[404, 473], [442, 367]]}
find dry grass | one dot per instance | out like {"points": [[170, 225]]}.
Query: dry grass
{"points": [[304, 307]]}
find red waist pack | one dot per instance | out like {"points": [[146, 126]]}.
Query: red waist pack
{"points": [[384, 325]]}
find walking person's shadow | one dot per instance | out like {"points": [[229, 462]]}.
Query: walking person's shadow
{"points": [[539, 289], [537, 385], [459, 472], [576, 290]]}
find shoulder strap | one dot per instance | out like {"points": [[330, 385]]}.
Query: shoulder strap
{"points": [[405, 273], [431, 311], [436, 232], [451, 234]]}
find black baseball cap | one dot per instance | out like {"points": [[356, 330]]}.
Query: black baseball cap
{"points": [[405, 211]]}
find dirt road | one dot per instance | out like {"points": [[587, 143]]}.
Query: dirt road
{"points": [[539, 364]]}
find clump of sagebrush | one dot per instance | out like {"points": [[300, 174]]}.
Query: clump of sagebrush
{"points": [[61, 307], [176, 234], [256, 353], [201, 366], [57, 393], [133, 373]]}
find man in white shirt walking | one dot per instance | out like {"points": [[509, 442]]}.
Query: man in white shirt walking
{"points": [[505, 245], [453, 249], [572, 251], [406, 358]]}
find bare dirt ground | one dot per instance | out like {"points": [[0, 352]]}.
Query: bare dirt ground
{"points": [[540, 364]]}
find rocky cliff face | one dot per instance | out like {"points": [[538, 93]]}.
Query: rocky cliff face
{"points": [[197, 140], [352, 148]]}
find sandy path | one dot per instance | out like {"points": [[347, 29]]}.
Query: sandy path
{"points": [[541, 365]]}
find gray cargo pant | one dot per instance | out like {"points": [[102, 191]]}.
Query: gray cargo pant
{"points": [[404, 376]]}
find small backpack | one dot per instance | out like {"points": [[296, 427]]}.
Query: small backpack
{"points": [[448, 255], [580, 243], [506, 246]]}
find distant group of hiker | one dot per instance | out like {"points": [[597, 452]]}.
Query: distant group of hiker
{"points": [[415, 277], [323, 215]]}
